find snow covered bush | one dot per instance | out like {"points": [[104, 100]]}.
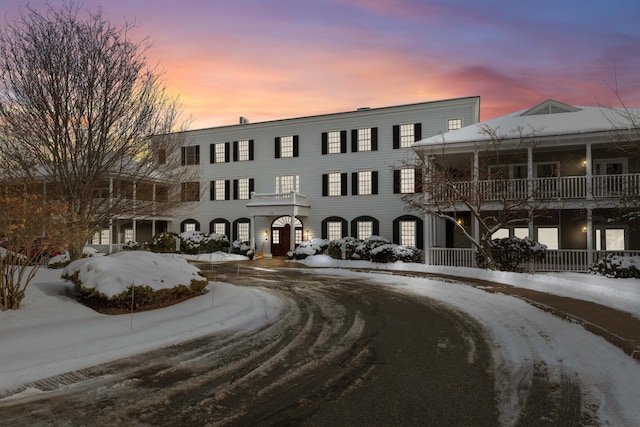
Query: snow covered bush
{"points": [[393, 253], [510, 252], [105, 283], [350, 244], [617, 267], [367, 245], [197, 242], [164, 243], [307, 248], [131, 246], [240, 247]]}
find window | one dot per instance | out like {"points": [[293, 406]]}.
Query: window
{"points": [[242, 188], [162, 156], [219, 189], [190, 191], [365, 139], [610, 239], [101, 237], [521, 232], [548, 236], [365, 229], [408, 233], [191, 155], [242, 150], [128, 235], [219, 228], [364, 183], [334, 230], [189, 224], [297, 238], [243, 231], [189, 227], [405, 181], [220, 152], [334, 184], [500, 233], [288, 183], [286, 146], [334, 142], [453, 124], [405, 135], [275, 236]]}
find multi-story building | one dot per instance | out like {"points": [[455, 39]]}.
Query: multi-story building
{"points": [[276, 183], [575, 170]]}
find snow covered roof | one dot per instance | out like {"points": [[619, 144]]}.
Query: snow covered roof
{"points": [[548, 119]]}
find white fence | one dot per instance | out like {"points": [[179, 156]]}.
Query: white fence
{"points": [[555, 260]]}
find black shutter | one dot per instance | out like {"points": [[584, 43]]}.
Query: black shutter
{"points": [[227, 185], [376, 227], [417, 187], [420, 236], [417, 132], [354, 183], [324, 228], [227, 229], [374, 139], [354, 140], [343, 141], [183, 152], [251, 149], [345, 228], [325, 143], [343, 184], [396, 137], [277, 147], [227, 149], [374, 182], [235, 151], [212, 190], [197, 155], [212, 153], [251, 186], [235, 189], [296, 152], [396, 181], [325, 184], [396, 231]]}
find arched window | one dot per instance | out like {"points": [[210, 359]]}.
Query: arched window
{"points": [[408, 231], [189, 225], [242, 229], [334, 228], [220, 226], [364, 227]]}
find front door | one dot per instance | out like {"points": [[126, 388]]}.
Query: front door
{"points": [[280, 238]]}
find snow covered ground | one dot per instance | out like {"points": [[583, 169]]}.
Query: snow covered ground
{"points": [[52, 333]]}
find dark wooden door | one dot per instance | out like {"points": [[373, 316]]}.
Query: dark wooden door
{"points": [[281, 236]]}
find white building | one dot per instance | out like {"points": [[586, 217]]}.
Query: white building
{"points": [[331, 175], [579, 169]]}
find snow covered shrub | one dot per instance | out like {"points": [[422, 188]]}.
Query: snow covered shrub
{"points": [[240, 247], [617, 267], [131, 246], [393, 253], [164, 243], [307, 248], [334, 250], [197, 242], [510, 252], [366, 246]]}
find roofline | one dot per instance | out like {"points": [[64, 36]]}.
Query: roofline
{"points": [[340, 113]]}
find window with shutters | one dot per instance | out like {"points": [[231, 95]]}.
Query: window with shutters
{"points": [[407, 135], [220, 228], [219, 189], [243, 151], [365, 229], [334, 230], [333, 142], [243, 189], [364, 139], [191, 155], [407, 180], [408, 233], [364, 183], [219, 152], [243, 231], [335, 184], [190, 191], [286, 146]]}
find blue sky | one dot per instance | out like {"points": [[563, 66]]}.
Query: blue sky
{"points": [[275, 59]]}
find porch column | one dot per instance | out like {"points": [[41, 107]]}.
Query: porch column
{"points": [[292, 234], [153, 227], [589, 173], [111, 236], [530, 173], [135, 205], [252, 234], [589, 237], [427, 235], [475, 224]]}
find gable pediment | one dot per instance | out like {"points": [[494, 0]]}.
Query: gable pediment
{"points": [[550, 106]]}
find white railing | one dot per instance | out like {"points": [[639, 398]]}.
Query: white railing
{"points": [[555, 260], [564, 187], [291, 198]]}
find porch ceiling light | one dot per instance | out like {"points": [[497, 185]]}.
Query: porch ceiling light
{"points": [[584, 228]]}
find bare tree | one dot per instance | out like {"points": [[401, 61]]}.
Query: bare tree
{"points": [[480, 185], [85, 119], [31, 230]]}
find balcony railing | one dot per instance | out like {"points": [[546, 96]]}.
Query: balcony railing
{"points": [[282, 199], [555, 260], [555, 188]]}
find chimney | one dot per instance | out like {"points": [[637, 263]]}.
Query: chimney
{"points": [[243, 120]]}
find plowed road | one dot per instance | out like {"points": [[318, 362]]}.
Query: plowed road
{"points": [[343, 352]]}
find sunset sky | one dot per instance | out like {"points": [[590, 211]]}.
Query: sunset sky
{"points": [[271, 59]]}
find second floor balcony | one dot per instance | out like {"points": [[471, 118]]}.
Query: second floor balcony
{"points": [[554, 188]]}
